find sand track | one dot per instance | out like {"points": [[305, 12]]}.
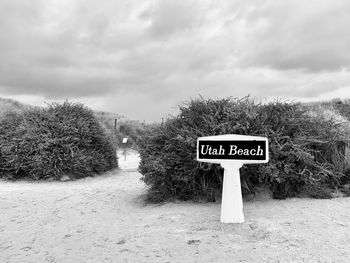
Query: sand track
{"points": [[103, 219]]}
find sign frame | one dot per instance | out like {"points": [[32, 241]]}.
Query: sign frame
{"points": [[232, 138]]}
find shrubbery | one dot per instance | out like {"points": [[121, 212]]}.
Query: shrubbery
{"points": [[168, 152], [132, 129], [62, 139]]}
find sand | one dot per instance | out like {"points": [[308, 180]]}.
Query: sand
{"points": [[103, 219]]}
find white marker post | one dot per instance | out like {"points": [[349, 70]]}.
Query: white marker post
{"points": [[125, 140], [231, 152]]}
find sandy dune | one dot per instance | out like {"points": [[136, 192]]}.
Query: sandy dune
{"points": [[103, 219]]}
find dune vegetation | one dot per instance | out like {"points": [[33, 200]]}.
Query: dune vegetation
{"points": [[118, 127], [52, 142], [308, 146]]}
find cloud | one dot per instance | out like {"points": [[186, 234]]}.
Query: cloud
{"points": [[170, 16], [307, 35], [158, 53]]}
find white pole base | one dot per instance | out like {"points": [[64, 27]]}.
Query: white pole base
{"points": [[232, 203]]}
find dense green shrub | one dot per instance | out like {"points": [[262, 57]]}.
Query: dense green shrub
{"points": [[168, 152], [62, 139]]}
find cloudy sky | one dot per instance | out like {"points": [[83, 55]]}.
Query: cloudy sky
{"points": [[142, 58]]}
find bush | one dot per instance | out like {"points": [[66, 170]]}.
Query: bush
{"points": [[168, 153], [62, 139]]}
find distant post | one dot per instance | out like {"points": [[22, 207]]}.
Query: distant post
{"points": [[115, 124], [231, 152], [125, 140]]}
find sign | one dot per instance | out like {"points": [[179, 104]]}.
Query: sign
{"points": [[231, 152], [125, 140], [237, 150]]}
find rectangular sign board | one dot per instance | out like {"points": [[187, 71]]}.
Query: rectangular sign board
{"points": [[240, 148]]}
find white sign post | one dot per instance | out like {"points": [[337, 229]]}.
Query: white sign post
{"points": [[231, 152], [125, 140]]}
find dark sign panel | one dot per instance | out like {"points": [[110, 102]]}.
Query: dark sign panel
{"points": [[232, 150]]}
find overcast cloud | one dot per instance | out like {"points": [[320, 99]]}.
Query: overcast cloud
{"points": [[142, 58]]}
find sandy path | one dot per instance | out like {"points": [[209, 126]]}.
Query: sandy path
{"points": [[103, 219]]}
